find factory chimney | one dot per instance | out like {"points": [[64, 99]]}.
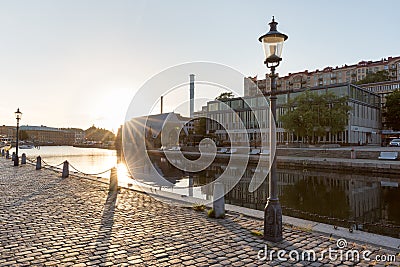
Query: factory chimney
{"points": [[191, 95]]}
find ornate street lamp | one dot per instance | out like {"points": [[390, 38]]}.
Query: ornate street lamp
{"points": [[273, 43], [18, 115]]}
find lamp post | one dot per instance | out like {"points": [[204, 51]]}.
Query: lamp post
{"points": [[273, 43], [18, 115]]}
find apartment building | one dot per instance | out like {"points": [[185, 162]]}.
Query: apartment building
{"points": [[328, 76]]}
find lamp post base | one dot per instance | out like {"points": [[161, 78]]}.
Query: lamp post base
{"points": [[16, 161], [273, 221]]}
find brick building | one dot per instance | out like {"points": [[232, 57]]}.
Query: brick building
{"points": [[328, 76], [42, 135]]}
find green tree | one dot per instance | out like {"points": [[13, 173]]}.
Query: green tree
{"points": [[392, 113], [99, 134], [225, 95], [374, 77], [118, 139], [311, 114], [23, 135], [200, 126]]}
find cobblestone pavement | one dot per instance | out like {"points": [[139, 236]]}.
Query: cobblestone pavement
{"points": [[49, 221]]}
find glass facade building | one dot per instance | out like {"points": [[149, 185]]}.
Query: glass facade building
{"points": [[249, 116]]}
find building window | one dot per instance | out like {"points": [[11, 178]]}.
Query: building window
{"points": [[213, 107]]}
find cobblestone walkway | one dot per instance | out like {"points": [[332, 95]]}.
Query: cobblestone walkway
{"points": [[49, 221]]}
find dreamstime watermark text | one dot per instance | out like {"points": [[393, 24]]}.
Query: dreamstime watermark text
{"points": [[341, 253]]}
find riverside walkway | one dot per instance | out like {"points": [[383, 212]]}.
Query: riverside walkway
{"points": [[46, 220]]}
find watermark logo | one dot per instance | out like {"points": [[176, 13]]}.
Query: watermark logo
{"points": [[243, 123], [341, 253], [341, 243]]}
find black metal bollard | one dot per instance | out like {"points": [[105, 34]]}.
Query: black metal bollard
{"points": [[38, 163], [65, 172], [15, 159], [113, 187], [23, 158]]}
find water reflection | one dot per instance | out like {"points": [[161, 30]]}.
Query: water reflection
{"points": [[330, 197], [87, 160]]}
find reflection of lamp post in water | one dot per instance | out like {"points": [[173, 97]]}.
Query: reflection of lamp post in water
{"points": [[18, 115], [190, 184], [273, 43]]}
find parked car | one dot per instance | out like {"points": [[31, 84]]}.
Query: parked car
{"points": [[395, 142]]}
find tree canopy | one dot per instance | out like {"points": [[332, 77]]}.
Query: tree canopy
{"points": [[23, 135], [392, 113], [374, 77], [225, 95], [200, 126], [311, 114], [99, 134]]}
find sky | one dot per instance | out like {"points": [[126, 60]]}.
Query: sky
{"points": [[72, 63]]}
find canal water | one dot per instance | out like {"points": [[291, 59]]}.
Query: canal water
{"points": [[369, 201], [87, 160]]}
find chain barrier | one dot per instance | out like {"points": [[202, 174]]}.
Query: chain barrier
{"points": [[72, 167], [89, 173], [54, 166]]}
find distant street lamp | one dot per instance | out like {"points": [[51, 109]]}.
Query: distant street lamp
{"points": [[273, 43], [18, 115]]}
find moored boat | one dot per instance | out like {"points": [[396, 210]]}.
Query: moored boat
{"points": [[25, 146], [6, 147]]}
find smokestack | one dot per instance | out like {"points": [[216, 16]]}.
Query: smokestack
{"points": [[162, 102], [191, 95]]}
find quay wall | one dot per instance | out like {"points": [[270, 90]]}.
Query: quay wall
{"points": [[327, 153], [343, 153], [321, 162]]}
